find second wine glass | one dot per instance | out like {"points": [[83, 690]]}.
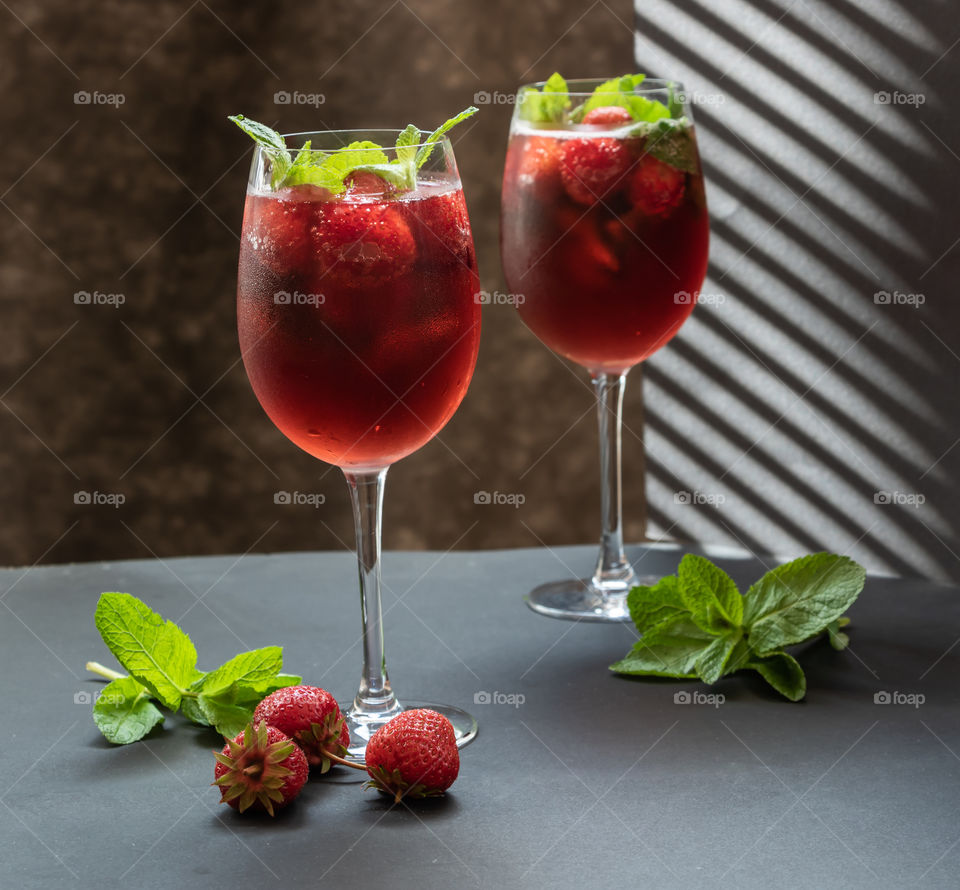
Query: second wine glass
{"points": [[604, 231]]}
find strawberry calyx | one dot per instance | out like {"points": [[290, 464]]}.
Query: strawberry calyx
{"points": [[394, 783], [322, 740], [254, 770]]}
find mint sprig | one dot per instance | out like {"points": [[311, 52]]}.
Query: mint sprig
{"points": [[696, 624], [552, 103], [162, 662], [330, 169]]}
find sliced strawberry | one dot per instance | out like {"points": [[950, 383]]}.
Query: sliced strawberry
{"points": [[442, 228], [361, 245], [591, 169], [608, 116], [655, 187]]}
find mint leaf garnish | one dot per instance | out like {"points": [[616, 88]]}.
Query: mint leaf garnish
{"points": [[546, 105], [696, 623], [156, 652], [423, 155], [798, 600], [330, 169], [124, 712], [162, 664], [670, 141]]}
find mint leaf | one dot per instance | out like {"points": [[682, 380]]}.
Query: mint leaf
{"points": [[273, 144], [620, 91], [423, 155], [838, 639], [799, 600], [548, 105], [156, 652], [710, 594], [712, 662], [123, 711], [247, 667], [668, 651], [229, 709], [661, 604], [783, 673], [670, 141], [407, 141]]}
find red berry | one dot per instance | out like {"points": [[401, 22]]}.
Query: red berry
{"points": [[592, 168], [311, 717], [608, 116], [414, 755], [278, 229], [361, 245], [655, 186], [261, 769], [366, 184], [539, 165]]}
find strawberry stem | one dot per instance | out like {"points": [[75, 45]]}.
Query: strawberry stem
{"points": [[336, 759], [96, 668]]}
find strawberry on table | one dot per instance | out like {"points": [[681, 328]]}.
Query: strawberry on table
{"points": [[311, 717], [260, 769], [591, 169], [414, 755]]}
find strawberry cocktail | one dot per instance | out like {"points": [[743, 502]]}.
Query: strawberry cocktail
{"points": [[359, 323], [604, 233]]}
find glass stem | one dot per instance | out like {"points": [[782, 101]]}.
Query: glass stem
{"points": [[375, 696], [614, 575]]}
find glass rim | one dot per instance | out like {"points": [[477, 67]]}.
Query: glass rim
{"points": [[657, 84], [393, 133]]}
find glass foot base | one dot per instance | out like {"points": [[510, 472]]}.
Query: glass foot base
{"points": [[362, 727], [580, 600]]}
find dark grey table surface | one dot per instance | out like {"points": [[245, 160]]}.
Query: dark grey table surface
{"points": [[591, 781]]}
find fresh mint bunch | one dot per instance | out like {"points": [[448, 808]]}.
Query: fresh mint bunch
{"points": [[162, 662], [330, 169], [696, 624]]}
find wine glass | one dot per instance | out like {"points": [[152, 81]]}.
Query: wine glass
{"points": [[604, 233], [359, 325]]}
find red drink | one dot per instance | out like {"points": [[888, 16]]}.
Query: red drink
{"points": [[358, 318], [607, 244]]}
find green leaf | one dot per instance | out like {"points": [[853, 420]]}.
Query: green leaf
{"points": [[423, 155], [838, 639], [670, 141], [407, 142], [620, 91], [156, 652], [190, 708], [799, 600], [548, 105], [247, 667], [783, 673], [661, 604], [669, 651], [712, 663], [124, 713], [231, 708], [710, 594], [272, 143]]}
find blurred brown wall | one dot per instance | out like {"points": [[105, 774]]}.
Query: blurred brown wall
{"points": [[144, 199]]}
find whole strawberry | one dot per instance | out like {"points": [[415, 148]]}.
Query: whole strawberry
{"points": [[261, 769], [591, 169], [414, 755], [608, 116], [311, 717]]}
